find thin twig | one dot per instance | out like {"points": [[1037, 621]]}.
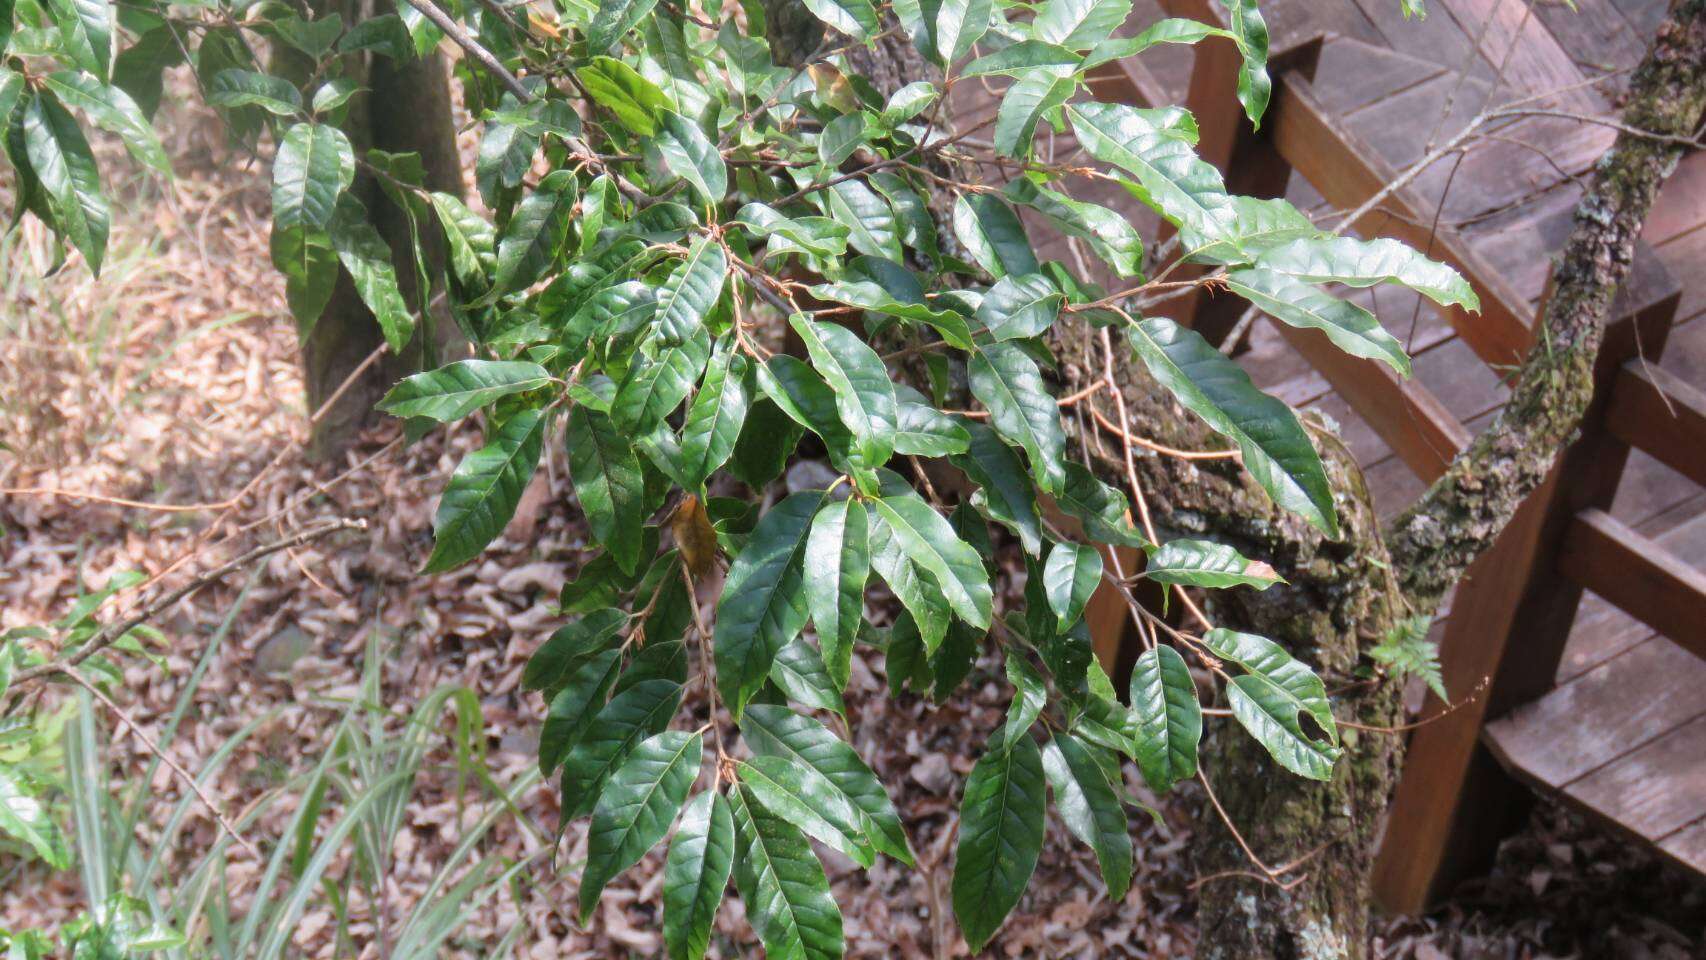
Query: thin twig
{"points": [[454, 31]]}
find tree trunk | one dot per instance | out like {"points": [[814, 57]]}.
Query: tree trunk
{"points": [[406, 110]]}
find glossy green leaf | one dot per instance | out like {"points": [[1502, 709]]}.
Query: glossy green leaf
{"points": [[367, 258], [314, 164], [1020, 305], [245, 88], [1109, 234], [455, 390], [1070, 576], [691, 291], [864, 393], [1202, 563], [26, 818], [856, 18], [574, 706], [1157, 147], [929, 541], [608, 483], [840, 137], [908, 102], [816, 236], [923, 430], [623, 724], [473, 242], [1079, 24], [1271, 716], [483, 492], [1256, 226], [837, 564], [1276, 450], [1248, 28], [799, 672], [876, 297], [636, 102], [569, 646], [532, 239], [1007, 495], [1090, 806], [656, 385], [763, 605], [1364, 263], [695, 872], [776, 731], [1018, 59], [1030, 695], [86, 29], [1350, 327], [1168, 718], [692, 156], [803, 395], [959, 25], [1001, 835], [912, 585], [993, 235], [783, 885], [310, 266], [715, 418], [1008, 383], [636, 808], [113, 110], [1100, 508], [869, 219], [65, 169], [614, 19], [789, 789], [1269, 660]]}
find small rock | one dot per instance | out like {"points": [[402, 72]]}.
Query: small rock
{"points": [[933, 773], [278, 653]]}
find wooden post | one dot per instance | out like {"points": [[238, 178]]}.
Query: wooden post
{"points": [[1508, 626]]}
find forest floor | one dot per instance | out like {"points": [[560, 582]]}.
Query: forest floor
{"points": [[173, 380]]}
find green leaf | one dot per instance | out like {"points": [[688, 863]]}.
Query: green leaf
{"points": [[316, 38], [636, 102], [817, 236], [1021, 58], [1070, 576], [767, 440], [532, 239], [655, 386], [908, 102], [1091, 808], [1100, 508], [1030, 695], [575, 705], [1256, 225], [864, 393], [840, 137], [1364, 263], [483, 492], [314, 164], [1350, 327], [878, 298], [1271, 717], [715, 418], [1276, 450], [473, 242], [310, 267], [615, 18], [86, 29], [1202, 563], [1001, 834], [929, 541], [1025, 103], [993, 235], [776, 731], [1156, 146], [799, 672], [637, 807], [455, 390], [1270, 661], [1255, 88], [630, 717], [837, 564], [1168, 718], [25, 818], [1109, 234], [1407, 652], [763, 605], [1007, 494], [65, 169], [783, 885], [111, 109], [1079, 24], [960, 24], [1020, 305], [922, 430], [571, 645], [245, 88], [797, 794], [691, 156], [804, 396], [1007, 382], [701, 856], [608, 483], [856, 18], [869, 219], [691, 291], [367, 258], [913, 586]]}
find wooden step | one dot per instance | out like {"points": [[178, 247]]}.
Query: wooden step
{"points": [[1639, 575], [1625, 742]]}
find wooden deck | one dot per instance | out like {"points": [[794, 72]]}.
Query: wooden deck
{"points": [[1623, 734]]}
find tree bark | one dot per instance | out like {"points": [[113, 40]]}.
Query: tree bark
{"points": [[406, 109]]}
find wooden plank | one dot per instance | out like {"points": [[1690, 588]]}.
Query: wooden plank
{"points": [[1452, 802], [1596, 33], [1639, 575], [1437, 37], [1662, 414], [1687, 846], [1621, 704], [1406, 414], [1652, 791], [1347, 172], [1681, 204], [1362, 74], [1602, 629], [1524, 52]]}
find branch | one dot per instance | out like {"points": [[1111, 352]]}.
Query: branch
{"points": [[1436, 539], [110, 634], [485, 57]]}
